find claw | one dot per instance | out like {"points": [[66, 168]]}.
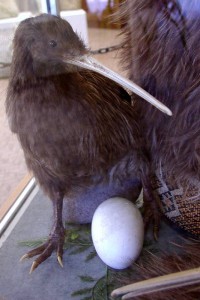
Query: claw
{"points": [[24, 257], [59, 258], [33, 267], [155, 232]]}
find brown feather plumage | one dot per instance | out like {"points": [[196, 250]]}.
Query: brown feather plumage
{"points": [[76, 127], [161, 53], [186, 256]]}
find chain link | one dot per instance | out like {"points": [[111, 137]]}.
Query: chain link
{"points": [[106, 49]]}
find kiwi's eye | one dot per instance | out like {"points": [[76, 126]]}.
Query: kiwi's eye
{"points": [[53, 43]]}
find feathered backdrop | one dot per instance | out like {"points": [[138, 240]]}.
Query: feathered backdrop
{"points": [[161, 53]]}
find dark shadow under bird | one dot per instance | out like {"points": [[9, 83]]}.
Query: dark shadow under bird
{"points": [[161, 52], [76, 127]]}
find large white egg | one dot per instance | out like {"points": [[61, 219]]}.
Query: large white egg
{"points": [[117, 232]]}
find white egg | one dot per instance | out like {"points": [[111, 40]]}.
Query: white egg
{"points": [[117, 232]]}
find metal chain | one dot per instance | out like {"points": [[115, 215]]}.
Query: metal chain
{"points": [[106, 49]]}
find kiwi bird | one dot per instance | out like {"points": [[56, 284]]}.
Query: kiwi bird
{"points": [[161, 52], [76, 127]]}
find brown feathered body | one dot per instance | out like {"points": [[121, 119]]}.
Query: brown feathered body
{"points": [[161, 52], [75, 127]]}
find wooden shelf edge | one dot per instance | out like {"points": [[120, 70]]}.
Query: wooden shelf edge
{"points": [[13, 196]]}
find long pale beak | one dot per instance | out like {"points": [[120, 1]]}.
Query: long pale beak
{"points": [[90, 63]]}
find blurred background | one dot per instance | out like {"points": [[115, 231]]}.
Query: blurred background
{"points": [[93, 21]]}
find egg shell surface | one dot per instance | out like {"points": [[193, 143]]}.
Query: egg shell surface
{"points": [[117, 232]]}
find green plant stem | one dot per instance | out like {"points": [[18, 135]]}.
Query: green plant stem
{"points": [[81, 244], [107, 278]]}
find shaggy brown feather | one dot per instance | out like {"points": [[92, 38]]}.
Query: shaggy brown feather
{"points": [[159, 60], [186, 256], [161, 52]]}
